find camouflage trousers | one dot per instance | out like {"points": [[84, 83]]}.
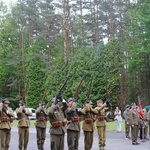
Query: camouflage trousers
{"points": [[127, 130]]}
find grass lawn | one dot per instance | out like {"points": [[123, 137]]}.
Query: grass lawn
{"points": [[111, 126], [32, 123]]}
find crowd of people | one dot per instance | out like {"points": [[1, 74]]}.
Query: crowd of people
{"points": [[137, 122], [64, 117]]}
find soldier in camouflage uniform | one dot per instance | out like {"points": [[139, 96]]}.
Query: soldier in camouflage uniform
{"points": [[142, 128], [6, 115], [40, 124], [145, 112], [148, 118], [88, 124], [127, 121]]}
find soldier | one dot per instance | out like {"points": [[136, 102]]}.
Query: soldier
{"points": [[127, 121], [148, 119], [6, 119], [73, 126], [142, 127], [58, 123], [147, 113], [88, 124], [134, 120], [101, 123], [23, 125], [40, 124]]}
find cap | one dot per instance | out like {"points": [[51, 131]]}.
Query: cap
{"points": [[42, 103], [133, 104], [90, 102], [6, 101], [147, 107], [100, 101], [22, 102], [127, 106], [53, 99], [69, 100]]}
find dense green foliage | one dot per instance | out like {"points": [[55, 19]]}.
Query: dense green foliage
{"points": [[44, 42]]}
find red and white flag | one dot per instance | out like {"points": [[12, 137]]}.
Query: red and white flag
{"points": [[140, 111]]}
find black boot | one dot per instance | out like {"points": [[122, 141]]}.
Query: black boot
{"points": [[42, 147]]}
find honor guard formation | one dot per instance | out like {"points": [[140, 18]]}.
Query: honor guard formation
{"points": [[65, 117]]}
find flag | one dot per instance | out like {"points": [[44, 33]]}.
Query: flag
{"points": [[140, 111]]}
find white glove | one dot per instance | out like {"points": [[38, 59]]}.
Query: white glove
{"points": [[79, 109], [64, 101]]}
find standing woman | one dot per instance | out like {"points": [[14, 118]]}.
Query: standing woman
{"points": [[118, 118]]}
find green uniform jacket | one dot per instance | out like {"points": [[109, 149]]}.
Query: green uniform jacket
{"points": [[89, 114], [126, 116], [101, 113], [23, 120], [134, 117], [57, 114], [148, 116], [41, 113], [72, 112], [5, 124]]}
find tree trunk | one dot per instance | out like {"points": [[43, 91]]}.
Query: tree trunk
{"points": [[65, 33]]}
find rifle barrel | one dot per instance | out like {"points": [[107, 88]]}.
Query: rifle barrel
{"points": [[78, 87]]}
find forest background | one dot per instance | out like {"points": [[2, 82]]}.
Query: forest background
{"points": [[44, 41]]}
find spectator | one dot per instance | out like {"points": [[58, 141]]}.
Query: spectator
{"points": [[118, 118]]}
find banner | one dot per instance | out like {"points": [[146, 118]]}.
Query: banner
{"points": [[140, 111]]}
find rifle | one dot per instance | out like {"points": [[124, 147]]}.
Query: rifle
{"points": [[44, 95], [108, 103], [77, 89], [4, 89], [63, 86], [22, 99], [89, 92], [24, 94], [58, 96], [107, 95]]}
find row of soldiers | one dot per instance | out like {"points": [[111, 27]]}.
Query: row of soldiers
{"points": [[138, 122], [64, 116]]}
